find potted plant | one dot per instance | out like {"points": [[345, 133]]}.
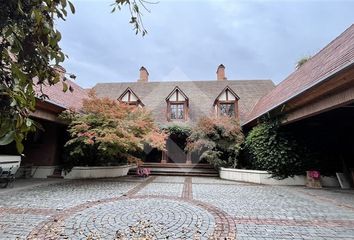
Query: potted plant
{"points": [[313, 179]]}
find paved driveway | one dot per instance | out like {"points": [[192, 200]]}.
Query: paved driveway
{"points": [[173, 208]]}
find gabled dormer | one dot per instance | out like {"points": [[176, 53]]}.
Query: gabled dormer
{"points": [[177, 105], [226, 103], [129, 97]]}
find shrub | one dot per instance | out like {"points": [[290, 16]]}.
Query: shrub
{"points": [[218, 140], [275, 151], [108, 132], [182, 131]]}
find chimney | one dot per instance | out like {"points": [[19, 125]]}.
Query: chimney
{"points": [[220, 73], [144, 75], [61, 70]]}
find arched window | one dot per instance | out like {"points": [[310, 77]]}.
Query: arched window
{"points": [[226, 104], [177, 105]]}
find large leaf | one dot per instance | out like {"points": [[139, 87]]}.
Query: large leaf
{"points": [[8, 138]]}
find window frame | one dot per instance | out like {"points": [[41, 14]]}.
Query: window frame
{"points": [[177, 102], [218, 102], [169, 110]]}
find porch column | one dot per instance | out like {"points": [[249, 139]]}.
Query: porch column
{"points": [[164, 157], [189, 158]]}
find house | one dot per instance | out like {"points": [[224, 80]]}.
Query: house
{"points": [[316, 103], [184, 102]]}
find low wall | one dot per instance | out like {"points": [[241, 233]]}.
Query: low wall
{"points": [[262, 177], [97, 172], [42, 171], [35, 171]]}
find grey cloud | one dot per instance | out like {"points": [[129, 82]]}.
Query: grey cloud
{"points": [[188, 39]]}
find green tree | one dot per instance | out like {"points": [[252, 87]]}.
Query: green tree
{"points": [[30, 53], [218, 139]]}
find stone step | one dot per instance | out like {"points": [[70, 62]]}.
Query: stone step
{"points": [[182, 170], [185, 174], [177, 165], [55, 176]]}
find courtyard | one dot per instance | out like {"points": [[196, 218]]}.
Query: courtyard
{"points": [[169, 207]]}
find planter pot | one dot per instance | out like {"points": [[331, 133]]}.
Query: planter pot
{"points": [[311, 181], [98, 172], [260, 177]]}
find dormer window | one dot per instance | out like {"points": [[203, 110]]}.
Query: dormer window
{"points": [[177, 105], [227, 109], [226, 104], [129, 97]]}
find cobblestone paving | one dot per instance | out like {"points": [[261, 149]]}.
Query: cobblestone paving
{"points": [[168, 219], [175, 208], [166, 189]]}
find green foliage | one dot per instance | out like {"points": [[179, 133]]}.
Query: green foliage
{"points": [[302, 61], [218, 140], [29, 50], [134, 9], [30, 55], [182, 131], [275, 151], [108, 132]]}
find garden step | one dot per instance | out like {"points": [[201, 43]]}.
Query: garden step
{"points": [[55, 176], [179, 170], [192, 174]]}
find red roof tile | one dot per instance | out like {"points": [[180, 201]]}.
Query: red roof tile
{"points": [[336, 55], [64, 99]]}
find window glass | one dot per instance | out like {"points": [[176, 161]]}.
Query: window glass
{"points": [[227, 109], [177, 111]]}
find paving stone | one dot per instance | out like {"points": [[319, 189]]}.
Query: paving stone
{"points": [[165, 189], [175, 207]]}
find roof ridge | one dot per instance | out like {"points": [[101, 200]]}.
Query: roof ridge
{"points": [[308, 71], [325, 47], [193, 81]]}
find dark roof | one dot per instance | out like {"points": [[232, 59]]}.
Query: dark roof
{"points": [[201, 94], [335, 56]]}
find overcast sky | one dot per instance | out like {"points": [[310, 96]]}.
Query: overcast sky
{"points": [[187, 40]]}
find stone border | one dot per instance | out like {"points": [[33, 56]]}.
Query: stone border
{"points": [[292, 222], [187, 192]]}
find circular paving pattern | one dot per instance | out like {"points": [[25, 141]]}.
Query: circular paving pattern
{"points": [[158, 218]]}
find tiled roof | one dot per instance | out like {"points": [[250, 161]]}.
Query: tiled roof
{"points": [[64, 99], [201, 94], [336, 55]]}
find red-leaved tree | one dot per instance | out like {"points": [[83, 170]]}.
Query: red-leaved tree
{"points": [[107, 131]]}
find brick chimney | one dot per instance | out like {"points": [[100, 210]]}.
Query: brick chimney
{"points": [[144, 75], [220, 73]]}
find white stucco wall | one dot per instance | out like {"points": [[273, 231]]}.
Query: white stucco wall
{"points": [[97, 172], [262, 177]]}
